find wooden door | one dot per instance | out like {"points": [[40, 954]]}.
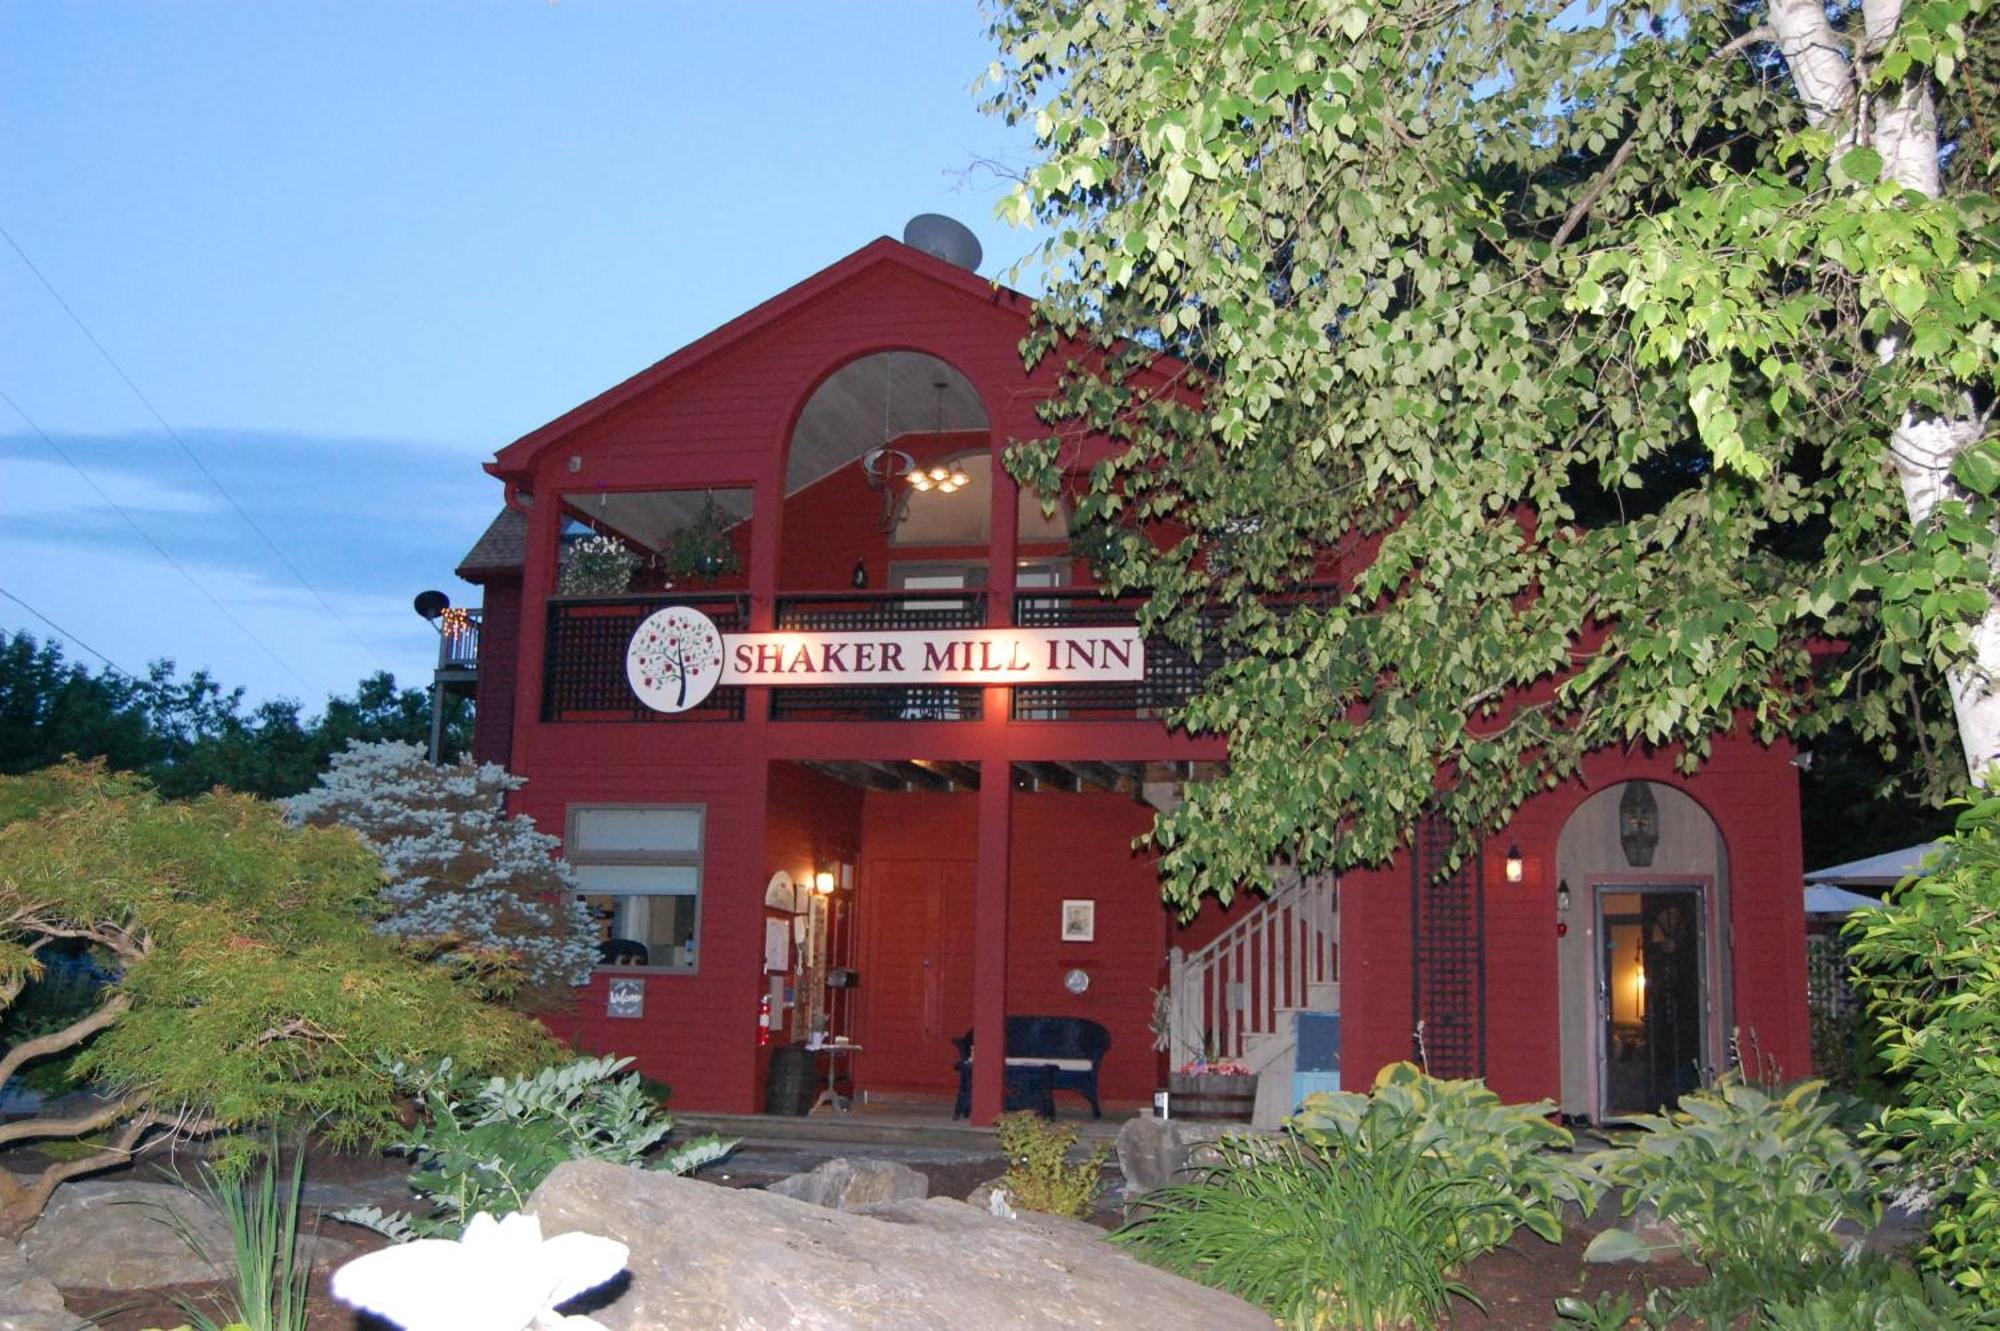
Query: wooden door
{"points": [[917, 973]]}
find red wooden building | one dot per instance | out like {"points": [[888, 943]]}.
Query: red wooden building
{"points": [[977, 838]]}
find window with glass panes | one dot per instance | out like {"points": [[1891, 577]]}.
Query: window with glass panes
{"points": [[639, 869]]}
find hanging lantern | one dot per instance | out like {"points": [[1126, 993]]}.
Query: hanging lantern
{"points": [[1638, 823]]}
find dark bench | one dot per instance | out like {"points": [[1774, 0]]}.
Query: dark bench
{"points": [[1044, 1054]]}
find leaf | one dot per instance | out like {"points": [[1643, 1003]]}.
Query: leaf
{"points": [[1861, 165], [1618, 1245], [1978, 468]]}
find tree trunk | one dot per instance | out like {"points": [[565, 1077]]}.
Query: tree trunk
{"points": [[1922, 447]]}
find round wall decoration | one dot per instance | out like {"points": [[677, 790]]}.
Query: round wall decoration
{"points": [[1076, 980], [674, 659]]}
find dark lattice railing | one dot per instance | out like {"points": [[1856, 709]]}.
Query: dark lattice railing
{"points": [[877, 612], [583, 664], [1448, 971], [1172, 676]]}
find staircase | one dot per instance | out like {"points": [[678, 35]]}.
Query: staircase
{"points": [[1237, 997]]}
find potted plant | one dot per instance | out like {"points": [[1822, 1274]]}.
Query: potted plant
{"points": [[596, 565], [1210, 1090], [702, 549]]}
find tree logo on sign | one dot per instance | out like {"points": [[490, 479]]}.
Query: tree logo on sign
{"points": [[675, 659]]}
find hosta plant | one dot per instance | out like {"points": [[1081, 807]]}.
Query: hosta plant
{"points": [[1765, 1190], [490, 1143], [1499, 1166]]}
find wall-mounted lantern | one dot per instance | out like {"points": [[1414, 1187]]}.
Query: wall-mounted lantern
{"points": [[1516, 867], [1638, 823]]}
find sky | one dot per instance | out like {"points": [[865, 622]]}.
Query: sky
{"points": [[323, 260]]}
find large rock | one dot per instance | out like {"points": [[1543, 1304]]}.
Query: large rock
{"points": [[848, 1185], [1153, 1152], [118, 1235], [716, 1257], [29, 1302]]}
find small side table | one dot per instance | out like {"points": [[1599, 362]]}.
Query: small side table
{"points": [[831, 1097]]}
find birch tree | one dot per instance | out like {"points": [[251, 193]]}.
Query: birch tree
{"points": [[1570, 377]]}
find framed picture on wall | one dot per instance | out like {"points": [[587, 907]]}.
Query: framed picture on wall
{"points": [[1079, 920]]}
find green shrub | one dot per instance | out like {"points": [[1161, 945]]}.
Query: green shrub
{"points": [[1929, 966], [1499, 1166], [1039, 1175], [1361, 1218], [490, 1143], [1359, 1236], [250, 987], [1754, 1184], [1872, 1295]]}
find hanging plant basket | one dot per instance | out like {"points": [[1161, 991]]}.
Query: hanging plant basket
{"points": [[701, 550]]}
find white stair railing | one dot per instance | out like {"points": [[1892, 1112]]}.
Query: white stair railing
{"points": [[1233, 987]]}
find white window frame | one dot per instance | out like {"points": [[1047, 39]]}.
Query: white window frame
{"points": [[580, 857]]}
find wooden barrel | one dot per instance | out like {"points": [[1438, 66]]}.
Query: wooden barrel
{"points": [[1212, 1099], [793, 1083]]}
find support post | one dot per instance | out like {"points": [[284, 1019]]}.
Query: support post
{"points": [[989, 941]]}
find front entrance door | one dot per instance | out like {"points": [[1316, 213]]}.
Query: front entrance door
{"points": [[917, 978], [1651, 985]]}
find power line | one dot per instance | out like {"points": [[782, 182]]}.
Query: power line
{"points": [[200, 466], [114, 666], [147, 537]]}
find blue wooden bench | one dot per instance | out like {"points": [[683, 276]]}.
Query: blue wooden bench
{"points": [[1044, 1055]]}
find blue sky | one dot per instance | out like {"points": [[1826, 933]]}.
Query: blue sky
{"points": [[348, 251]]}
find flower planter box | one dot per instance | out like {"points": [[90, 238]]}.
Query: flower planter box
{"points": [[1211, 1098]]}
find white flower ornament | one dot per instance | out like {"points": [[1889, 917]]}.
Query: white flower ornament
{"points": [[500, 1276]]}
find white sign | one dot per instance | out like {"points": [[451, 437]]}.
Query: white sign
{"points": [[678, 656]]}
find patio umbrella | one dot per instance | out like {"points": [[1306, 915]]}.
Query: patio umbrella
{"points": [[1884, 870], [1823, 899]]}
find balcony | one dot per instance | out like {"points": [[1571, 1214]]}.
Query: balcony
{"points": [[865, 611], [584, 665]]}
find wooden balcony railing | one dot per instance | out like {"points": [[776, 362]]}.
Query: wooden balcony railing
{"points": [[583, 663], [862, 611]]}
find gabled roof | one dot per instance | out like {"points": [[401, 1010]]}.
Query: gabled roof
{"points": [[515, 457], [501, 548]]}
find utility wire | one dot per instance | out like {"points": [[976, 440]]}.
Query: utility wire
{"points": [[158, 549], [115, 668], [200, 466]]}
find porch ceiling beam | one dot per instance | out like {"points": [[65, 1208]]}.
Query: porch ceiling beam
{"points": [[1104, 776], [855, 774], [910, 776], [963, 776], [1057, 775]]}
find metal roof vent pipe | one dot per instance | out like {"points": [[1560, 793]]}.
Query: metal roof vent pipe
{"points": [[944, 238]]}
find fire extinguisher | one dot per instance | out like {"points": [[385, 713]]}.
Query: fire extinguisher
{"points": [[763, 1020]]}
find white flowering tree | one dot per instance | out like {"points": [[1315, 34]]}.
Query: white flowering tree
{"points": [[468, 886]]}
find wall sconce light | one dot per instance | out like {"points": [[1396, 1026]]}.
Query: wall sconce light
{"points": [[1515, 867], [1562, 897], [860, 576], [823, 882]]}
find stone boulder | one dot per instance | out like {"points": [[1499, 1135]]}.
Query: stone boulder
{"points": [[717, 1257], [116, 1235], [1153, 1152], [29, 1302], [848, 1185]]}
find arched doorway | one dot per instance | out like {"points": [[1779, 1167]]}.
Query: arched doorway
{"points": [[1643, 891]]}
